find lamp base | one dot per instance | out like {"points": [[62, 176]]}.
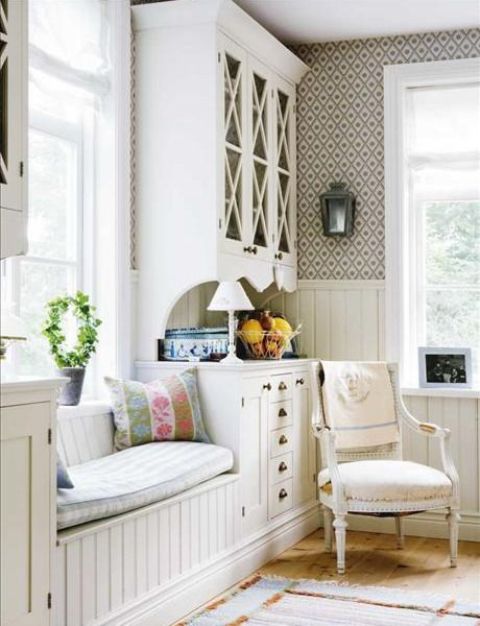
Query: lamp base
{"points": [[231, 359]]}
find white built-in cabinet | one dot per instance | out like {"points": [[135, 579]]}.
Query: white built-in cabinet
{"points": [[13, 126], [215, 155], [259, 159], [262, 412], [28, 499]]}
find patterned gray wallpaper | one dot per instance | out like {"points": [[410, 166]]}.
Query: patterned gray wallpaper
{"points": [[340, 137]]}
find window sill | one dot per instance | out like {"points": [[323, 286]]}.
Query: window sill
{"points": [[443, 392], [84, 409]]}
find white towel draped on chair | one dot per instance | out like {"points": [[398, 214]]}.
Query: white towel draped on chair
{"points": [[358, 403]]}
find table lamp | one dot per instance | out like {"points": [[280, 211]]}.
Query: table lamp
{"points": [[230, 296]]}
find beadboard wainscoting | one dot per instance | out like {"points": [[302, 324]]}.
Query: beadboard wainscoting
{"points": [[142, 552]]}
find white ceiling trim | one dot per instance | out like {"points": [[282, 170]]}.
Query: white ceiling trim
{"points": [[312, 21]]}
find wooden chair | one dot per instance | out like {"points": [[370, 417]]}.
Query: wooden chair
{"points": [[377, 481]]}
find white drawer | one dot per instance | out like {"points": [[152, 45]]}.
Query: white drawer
{"points": [[281, 441], [282, 385], [280, 498], [280, 414], [281, 468]]}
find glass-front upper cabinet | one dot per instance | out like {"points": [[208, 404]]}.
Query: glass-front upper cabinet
{"points": [[260, 107], [232, 221], [285, 173]]}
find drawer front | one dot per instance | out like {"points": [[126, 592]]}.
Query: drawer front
{"points": [[281, 468], [282, 385], [280, 414], [281, 441], [280, 498]]}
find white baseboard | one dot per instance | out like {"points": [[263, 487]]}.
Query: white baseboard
{"points": [[191, 591], [432, 524]]}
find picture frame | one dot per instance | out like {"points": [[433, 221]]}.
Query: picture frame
{"points": [[445, 367]]}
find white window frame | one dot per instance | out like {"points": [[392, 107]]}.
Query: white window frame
{"points": [[401, 297]]}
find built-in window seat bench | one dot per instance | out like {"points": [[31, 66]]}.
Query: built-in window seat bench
{"points": [[139, 552], [122, 534]]}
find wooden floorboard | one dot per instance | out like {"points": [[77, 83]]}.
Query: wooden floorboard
{"points": [[373, 559]]}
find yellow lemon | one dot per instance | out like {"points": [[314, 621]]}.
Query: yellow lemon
{"points": [[281, 325], [252, 331]]}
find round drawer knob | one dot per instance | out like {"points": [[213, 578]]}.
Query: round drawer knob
{"points": [[283, 467], [282, 386], [279, 256], [267, 386], [283, 440], [300, 381], [254, 250], [282, 413], [282, 494]]}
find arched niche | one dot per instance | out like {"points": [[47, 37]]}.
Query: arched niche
{"points": [[191, 309]]}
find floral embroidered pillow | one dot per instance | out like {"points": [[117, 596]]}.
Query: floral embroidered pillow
{"points": [[163, 410]]}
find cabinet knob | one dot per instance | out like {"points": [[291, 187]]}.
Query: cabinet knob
{"points": [[299, 381], [279, 256], [282, 413], [250, 249], [282, 467], [283, 440], [282, 386], [282, 494], [254, 250], [247, 248], [267, 386]]}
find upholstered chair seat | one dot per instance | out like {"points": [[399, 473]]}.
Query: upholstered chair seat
{"points": [[390, 482]]}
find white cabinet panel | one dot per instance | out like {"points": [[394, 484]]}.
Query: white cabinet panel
{"points": [[13, 126], [254, 456], [25, 510]]}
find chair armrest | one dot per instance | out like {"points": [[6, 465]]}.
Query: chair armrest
{"points": [[433, 431], [422, 428]]}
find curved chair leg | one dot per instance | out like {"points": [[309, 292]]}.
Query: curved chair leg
{"points": [[453, 519], [399, 531], [340, 526], [327, 528]]}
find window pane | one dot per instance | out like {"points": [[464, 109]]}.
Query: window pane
{"points": [[444, 119], [453, 320], [39, 283], [452, 243], [52, 196]]}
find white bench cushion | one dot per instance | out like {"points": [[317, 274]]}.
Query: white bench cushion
{"points": [[390, 481], [136, 477]]}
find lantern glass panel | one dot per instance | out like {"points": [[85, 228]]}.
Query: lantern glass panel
{"points": [[336, 208]]}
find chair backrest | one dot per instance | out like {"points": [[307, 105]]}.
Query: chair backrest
{"points": [[84, 433], [385, 451]]}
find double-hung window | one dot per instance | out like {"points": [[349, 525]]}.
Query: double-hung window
{"points": [[77, 142], [432, 120]]}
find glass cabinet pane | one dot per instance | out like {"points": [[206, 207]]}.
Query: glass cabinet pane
{"points": [[260, 169], [234, 147], [283, 178]]}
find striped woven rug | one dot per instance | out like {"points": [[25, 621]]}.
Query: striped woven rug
{"points": [[272, 601]]}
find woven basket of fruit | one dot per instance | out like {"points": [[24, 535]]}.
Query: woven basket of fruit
{"points": [[266, 336]]}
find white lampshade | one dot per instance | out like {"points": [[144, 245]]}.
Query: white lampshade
{"points": [[12, 326], [230, 296]]}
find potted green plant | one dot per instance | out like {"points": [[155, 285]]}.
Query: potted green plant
{"points": [[71, 363]]}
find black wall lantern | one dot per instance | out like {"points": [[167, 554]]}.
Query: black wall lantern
{"points": [[338, 208]]}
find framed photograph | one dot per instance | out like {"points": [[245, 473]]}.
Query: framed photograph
{"points": [[445, 367]]}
